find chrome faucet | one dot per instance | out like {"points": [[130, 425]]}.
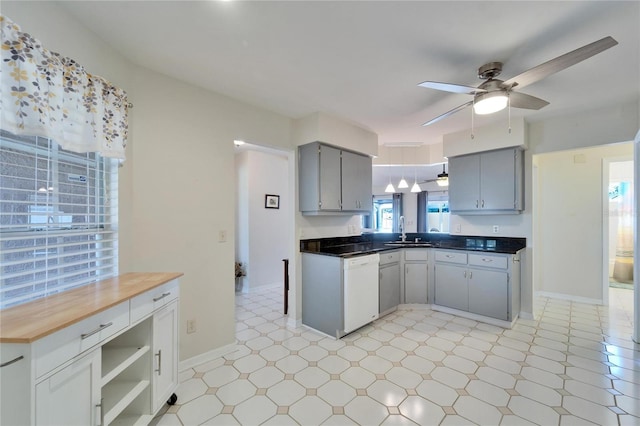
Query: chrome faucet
{"points": [[403, 237]]}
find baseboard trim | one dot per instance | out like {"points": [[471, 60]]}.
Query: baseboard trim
{"points": [[207, 356], [294, 323], [569, 297]]}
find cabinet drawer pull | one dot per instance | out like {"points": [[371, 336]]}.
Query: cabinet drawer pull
{"points": [[97, 330], [449, 256], [159, 355], [155, 299], [484, 259], [13, 361]]}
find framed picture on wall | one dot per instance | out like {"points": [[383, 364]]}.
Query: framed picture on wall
{"points": [[271, 201]]}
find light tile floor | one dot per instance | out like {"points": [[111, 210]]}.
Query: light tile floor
{"points": [[575, 364]]}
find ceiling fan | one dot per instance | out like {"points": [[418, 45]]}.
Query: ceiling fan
{"points": [[494, 94]]}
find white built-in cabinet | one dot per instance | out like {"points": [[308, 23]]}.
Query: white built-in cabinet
{"points": [[487, 183], [115, 367], [333, 180]]}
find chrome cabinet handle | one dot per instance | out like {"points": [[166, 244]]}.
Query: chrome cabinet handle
{"points": [[159, 369], [155, 299], [483, 204], [470, 274], [13, 361], [484, 259], [465, 274], [97, 330], [449, 256], [100, 413]]}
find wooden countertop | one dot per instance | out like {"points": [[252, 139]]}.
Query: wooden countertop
{"points": [[34, 320]]}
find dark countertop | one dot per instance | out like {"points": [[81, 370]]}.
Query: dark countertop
{"points": [[374, 243]]}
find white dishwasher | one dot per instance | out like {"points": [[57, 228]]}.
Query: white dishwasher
{"points": [[361, 290]]}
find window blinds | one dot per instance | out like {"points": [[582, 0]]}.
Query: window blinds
{"points": [[58, 218]]}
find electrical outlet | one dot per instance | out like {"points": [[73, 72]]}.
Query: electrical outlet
{"points": [[191, 326], [222, 236], [496, 229]]}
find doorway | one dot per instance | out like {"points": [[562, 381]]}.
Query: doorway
{"points": [[619, 212], [264, 216]]}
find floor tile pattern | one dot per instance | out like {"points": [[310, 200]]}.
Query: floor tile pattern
{"points": [[575, 364]]}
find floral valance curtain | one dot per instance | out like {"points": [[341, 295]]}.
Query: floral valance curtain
{"points": [[45, 94]]}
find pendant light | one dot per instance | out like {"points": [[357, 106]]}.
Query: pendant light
{"points": [[443, 178], [403, 183], [415, 187], [390, 188]]}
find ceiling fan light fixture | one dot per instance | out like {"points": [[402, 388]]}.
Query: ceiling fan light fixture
{"points": [[443, 178], [490, 102]]}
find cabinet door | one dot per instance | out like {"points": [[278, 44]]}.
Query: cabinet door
{"points": [[415, 283], [489, 293], [389, 287], [464, 184], [330, 178], [451, 288], [356, 182], [72, 395], [15, 384], [498, 180], [165, 351]]}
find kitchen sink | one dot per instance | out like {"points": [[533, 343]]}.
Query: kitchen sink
{"points": [[408, 244]]}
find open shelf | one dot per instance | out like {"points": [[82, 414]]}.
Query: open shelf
{"points": [[116, 359], [118, 395], [129, 420]]}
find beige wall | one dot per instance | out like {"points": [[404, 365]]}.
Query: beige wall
{"points": [[178, 173], [571, 221]]}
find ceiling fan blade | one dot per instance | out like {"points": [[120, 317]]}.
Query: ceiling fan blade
{"points": [[450, 87], [522, 100], [448, 113], [561, 62]]}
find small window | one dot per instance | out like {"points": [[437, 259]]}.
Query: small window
{"points": [[438, 212], [58, 218]]}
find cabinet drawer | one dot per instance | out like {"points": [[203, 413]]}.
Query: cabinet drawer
{"points": [[144, 304], [61, 346], [416, 254], [488, 261], [451, 257], [389, 257]]}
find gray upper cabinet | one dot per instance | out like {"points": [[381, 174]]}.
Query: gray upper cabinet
{"points": [[356, 182], [487, 183], [333, 181]]}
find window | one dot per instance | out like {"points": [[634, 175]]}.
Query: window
{"points": [[383, 215], [438, 212], [58, 218]]}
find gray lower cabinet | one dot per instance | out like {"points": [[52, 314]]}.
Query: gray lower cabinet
{"points": [[389, 281], [489, 293], [479, 283], [451, 287], [322, 293], [415, 275]]}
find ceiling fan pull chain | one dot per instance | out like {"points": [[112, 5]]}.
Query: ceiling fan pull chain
{"points": [[472, 114], [509, 106]]}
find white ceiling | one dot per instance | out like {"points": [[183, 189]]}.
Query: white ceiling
{"points": [[362, 60]]}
